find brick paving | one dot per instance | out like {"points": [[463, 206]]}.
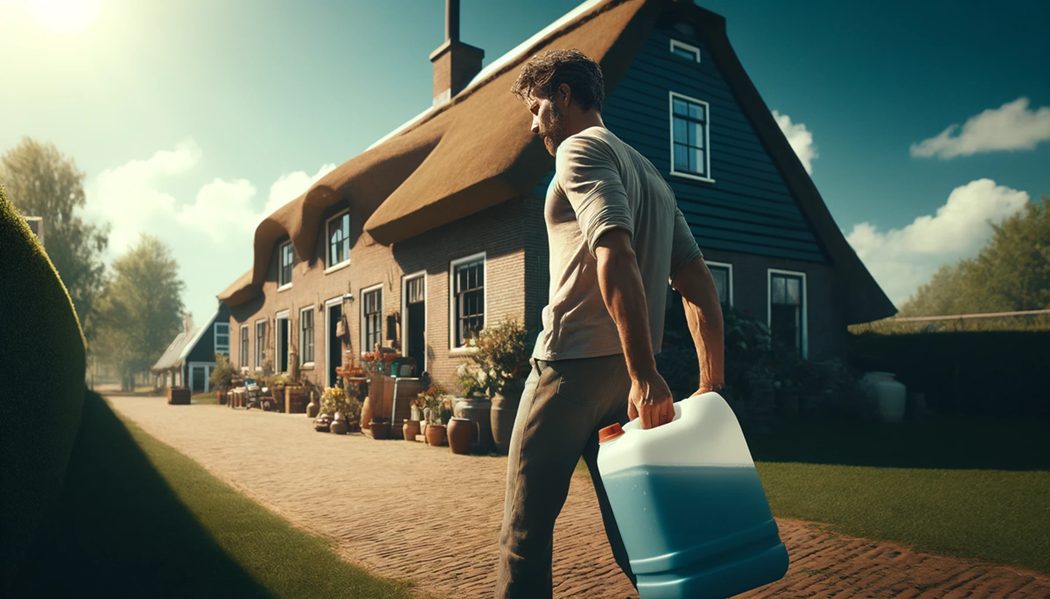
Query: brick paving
{"points": [[405, 510]]}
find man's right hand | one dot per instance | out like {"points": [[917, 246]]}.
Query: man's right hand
{"points": [[650, 399]]}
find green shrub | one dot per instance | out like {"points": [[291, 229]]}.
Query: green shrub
{"points": [[42, 366], [224, 373]]}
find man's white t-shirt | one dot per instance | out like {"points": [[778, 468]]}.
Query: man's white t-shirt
{"points": [[601, 183]]}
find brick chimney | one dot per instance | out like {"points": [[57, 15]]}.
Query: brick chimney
{"points": [[455, 63]]}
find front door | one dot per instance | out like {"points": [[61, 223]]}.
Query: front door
{"points": [[335, 343], [416, 325]]}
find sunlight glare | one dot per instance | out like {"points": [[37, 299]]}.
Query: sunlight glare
{"points": [[63, 16]]}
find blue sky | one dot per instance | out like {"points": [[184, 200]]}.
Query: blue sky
{"points": [[193, 119]]}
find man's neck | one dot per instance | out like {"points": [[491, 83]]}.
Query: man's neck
{"points": [[586, 120]]}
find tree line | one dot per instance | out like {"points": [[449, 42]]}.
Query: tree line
{"points": [[132, 309], [1011, 272]]}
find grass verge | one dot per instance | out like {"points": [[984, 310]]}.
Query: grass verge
{"points": [[968, 487], [137, 518]]}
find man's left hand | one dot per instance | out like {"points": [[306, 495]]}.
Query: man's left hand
{"points": [[650, 399]]}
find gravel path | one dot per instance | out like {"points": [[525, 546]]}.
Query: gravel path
{"points": [[406, 510]]}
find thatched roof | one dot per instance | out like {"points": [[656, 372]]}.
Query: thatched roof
{"points": [[476, 151]]}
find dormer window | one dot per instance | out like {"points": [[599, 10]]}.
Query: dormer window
{"points": [[338, 240], [686, 51], [287, 258]]}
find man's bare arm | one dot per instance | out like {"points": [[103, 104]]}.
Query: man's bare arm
{"points": [[703, 312], [624, 295]]}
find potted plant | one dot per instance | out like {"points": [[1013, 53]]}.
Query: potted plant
{"points": [[437, 410], [498, 369], [343, 407], [222, 376]]}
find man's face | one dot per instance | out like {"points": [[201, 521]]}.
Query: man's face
{"points": [[547, 121]]}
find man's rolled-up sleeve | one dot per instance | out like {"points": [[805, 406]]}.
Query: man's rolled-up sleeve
{"points": [[587, 174], [683, 245]]}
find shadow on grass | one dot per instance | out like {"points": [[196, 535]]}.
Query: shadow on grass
{"points": [[121, 531], [946, 443]]}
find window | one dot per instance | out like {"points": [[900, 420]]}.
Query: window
{"points": [[722, 273], [690, 138], [222, 338], [284, 274], [684, 50], [787, 309], [468, 298], [371, 317], [306, 335], [260, 342], [339, 239], [242, 358]]}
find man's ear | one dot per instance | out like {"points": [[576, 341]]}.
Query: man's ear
{"points": [[564, 95]]}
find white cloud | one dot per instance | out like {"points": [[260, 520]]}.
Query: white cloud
{"points": [[800, 138], [1012, 126], [289, 186], [222, 209], [129, 196], [903, 259]]}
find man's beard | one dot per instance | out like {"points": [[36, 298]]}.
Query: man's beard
{"points": [[555, 133]]}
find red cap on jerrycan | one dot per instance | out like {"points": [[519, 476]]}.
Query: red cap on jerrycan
{"points": [[609, 433]]}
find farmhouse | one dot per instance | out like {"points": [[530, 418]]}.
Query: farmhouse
{"points": [[436, 231]]}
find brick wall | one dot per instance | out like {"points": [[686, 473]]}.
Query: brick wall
{"points": [[511, 235]]}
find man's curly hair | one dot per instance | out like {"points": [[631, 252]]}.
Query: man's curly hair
{"points": [[549, 70]]}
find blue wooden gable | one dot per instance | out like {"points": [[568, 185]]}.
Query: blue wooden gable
{"points": [[748, 208]]}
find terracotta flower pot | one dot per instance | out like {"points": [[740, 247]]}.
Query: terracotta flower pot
{"points": [[380, 428], [366, 413], [462, 433], [436, 434], [410, 429]]}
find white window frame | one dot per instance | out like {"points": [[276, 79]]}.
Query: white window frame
{"points": [[404, 316], [328, 245], [671, 95], [260, 343], [302, 338], [328, 304], [245, 346], [805, 304], [453, 321], [287, 316], [680, 45], [280, 266], [729, 267], [361, 317], [215, 338]]}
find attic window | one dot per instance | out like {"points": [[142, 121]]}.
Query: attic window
{"points": [[690, 138], [287, 257], [686, 51], [339, 239]]}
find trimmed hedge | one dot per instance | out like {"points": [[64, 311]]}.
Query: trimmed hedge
{"points": [[990, 372], [42, 372]]}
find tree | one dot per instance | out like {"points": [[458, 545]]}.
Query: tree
{"points": [[1011, 272], [40, 181], [140, 310]]}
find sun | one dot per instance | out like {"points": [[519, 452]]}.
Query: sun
{"points": [[63, 16]]}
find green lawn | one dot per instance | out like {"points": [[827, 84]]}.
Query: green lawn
{"points": [[137, 518], [975, 487]]}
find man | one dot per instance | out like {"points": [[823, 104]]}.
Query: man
{"points": [[616, 237]]}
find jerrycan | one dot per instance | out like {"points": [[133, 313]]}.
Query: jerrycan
{"points": [[689, 504]]}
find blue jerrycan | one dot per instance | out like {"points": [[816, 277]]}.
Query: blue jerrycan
{"points": [[689, 504]]}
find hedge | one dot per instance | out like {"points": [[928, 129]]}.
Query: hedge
{"points": [[42, 373], [991, 372]]}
